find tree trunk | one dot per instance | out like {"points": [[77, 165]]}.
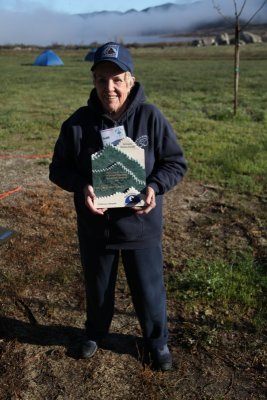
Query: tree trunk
{"points": [[237, 62]]}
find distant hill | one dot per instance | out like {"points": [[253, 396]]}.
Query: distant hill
{"points": [[169, 6], [161, 8], [195, 12]]}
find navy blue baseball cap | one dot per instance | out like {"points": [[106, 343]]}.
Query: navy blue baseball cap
{"points": [[116, 53]]}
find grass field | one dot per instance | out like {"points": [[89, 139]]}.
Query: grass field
{"points": [[192, 86], [215, 239]]}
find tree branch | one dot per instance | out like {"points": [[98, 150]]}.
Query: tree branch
{"points": [[218, 9], [253, 16], [242, 8]]}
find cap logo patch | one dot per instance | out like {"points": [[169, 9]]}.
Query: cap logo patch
{"points": [[111, 51]]}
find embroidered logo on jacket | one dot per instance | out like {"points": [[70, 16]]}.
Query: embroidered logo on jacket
{"points": [[142, 141]]}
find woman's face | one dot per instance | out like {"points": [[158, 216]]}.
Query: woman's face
{"points": [[112, 86]]}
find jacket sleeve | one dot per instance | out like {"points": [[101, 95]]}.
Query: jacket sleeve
{"points": [[170, 164], [63, 170]]}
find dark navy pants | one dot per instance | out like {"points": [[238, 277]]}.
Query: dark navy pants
{"points": [[144, 273]]}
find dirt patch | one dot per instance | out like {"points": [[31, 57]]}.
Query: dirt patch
{"points": [[42, 300]]}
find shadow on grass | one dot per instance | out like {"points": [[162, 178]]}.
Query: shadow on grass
{"points": [[66, 336]]}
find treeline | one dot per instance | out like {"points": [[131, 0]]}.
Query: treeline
{"points": [[56, 46]]}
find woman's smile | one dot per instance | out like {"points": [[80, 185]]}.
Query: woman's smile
{"points": [[112, 87]]}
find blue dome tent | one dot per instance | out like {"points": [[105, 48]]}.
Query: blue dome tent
{"points": [[90, 56], [48, 58]]}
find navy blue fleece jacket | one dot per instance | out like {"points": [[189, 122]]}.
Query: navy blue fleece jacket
{"points": [[71, 169]]}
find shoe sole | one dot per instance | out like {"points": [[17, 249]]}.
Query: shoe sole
{"points": [[89, 354]]}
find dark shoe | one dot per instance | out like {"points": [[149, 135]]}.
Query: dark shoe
{"points": [[162, 358], [89, 347]]}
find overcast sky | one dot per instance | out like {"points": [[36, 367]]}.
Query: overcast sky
{"points": [[82, 6], [48, 22]]}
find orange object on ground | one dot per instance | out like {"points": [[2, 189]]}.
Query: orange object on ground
{"points": [[9, 192]]}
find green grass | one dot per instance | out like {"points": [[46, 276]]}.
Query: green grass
{"points": [[239, 287], [35, 100], [192, 86], [218, 280], [195, 91]]}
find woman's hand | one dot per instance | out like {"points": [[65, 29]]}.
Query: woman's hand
{"points": [[150, 202], [89, 196]]}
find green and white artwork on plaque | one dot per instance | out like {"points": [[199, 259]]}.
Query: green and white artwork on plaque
{"points": [[119, 177]]}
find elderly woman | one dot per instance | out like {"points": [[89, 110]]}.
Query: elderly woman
{"points": [[133, 233]]}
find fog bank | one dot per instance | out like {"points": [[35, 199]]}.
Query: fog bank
{"points": [[43, 27]]}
